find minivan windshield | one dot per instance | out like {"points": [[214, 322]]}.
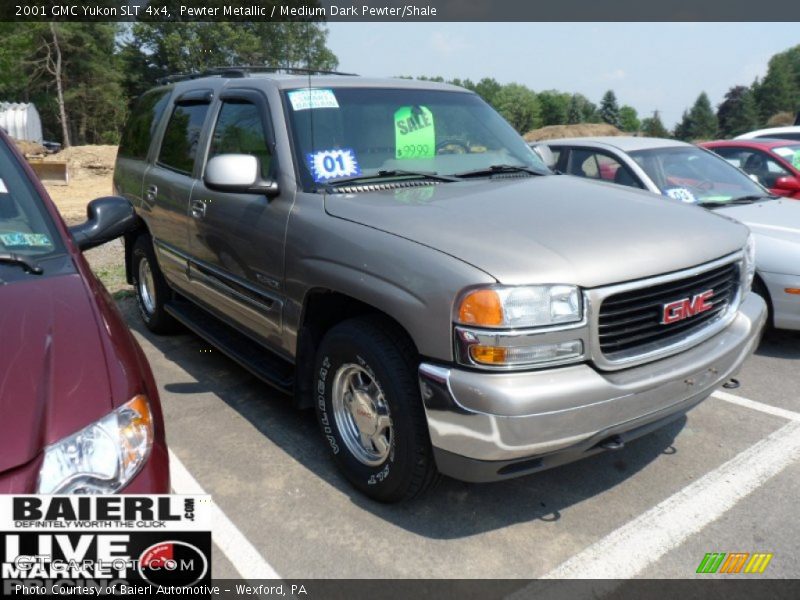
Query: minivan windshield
{"points": [[25, 228], [346, 132], [697, 176]]}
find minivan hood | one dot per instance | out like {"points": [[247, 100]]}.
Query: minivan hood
{"points": [[774, 218], [547, 229], [53, 375]]}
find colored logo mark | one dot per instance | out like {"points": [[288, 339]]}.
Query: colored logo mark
{"points": [[734, 562]]}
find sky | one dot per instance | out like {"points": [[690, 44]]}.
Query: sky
{"points": [[650, 66]]}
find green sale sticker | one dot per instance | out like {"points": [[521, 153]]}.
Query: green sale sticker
{"points": [[414, 132]]}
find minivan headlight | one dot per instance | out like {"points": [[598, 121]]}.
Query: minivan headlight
{"points": [[520, 306], [100, 458]]}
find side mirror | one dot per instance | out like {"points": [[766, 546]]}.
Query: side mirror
{"points": [[790, 184], [107, 218], [237, 173]]}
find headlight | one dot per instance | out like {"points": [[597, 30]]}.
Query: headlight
{"points": [[749, 263], [517, 307], [103, 457]]}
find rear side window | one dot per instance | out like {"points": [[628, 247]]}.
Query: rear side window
{"points": [[240, 130], [182, 137], [142, 123]]}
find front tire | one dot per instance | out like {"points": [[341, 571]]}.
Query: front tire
{"points": [[370, 411], [152, 290]]}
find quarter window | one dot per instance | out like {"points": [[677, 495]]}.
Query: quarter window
{"points": [[142, 123], [182, 137], [598, 165], [240, 130]]}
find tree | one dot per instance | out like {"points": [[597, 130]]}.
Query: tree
{"points": [[698, 123], [609, 109], [629, 119], [777, 91], [488, 89], [653, 127], [581, 110], [158, 49], [738, 112], [554, 106], [519, 106], [683, 128]]}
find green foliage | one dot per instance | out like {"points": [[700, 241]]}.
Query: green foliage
{"points": [[654, 127], [609, 109], [520, 107], [779, 90], [629, 119], [738, 112], [106, 65], [554, 107], [488, 89], [699, 123], [581, 110]]}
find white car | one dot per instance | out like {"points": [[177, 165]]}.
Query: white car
{"points": [[699, 177], [792, 132]]}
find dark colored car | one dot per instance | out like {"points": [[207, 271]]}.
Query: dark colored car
{"points": [[80, 410], [774, 163]]}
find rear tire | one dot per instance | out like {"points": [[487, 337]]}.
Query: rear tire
{"points": [[370, 412], [152, 290]]}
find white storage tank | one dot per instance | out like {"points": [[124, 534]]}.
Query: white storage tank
{"points": [[21, 121]]}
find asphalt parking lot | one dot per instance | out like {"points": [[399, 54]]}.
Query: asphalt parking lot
{"points": [[724, 479]]}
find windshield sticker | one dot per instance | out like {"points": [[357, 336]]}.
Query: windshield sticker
{"points": [[308, 98], [30, 240], [333, 164], [3, 188], [414, 132], [796, 160], [681, 194]]}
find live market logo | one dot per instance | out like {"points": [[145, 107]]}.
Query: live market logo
{"points": [[109, 544]]}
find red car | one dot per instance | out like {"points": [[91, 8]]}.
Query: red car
{"points": [[774, 163], [79, 410]]}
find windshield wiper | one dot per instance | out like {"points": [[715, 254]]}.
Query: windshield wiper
{"points": [[392, 173], [24, 262], [496, 169], [749, 199]]}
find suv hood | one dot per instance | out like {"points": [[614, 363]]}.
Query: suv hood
{"points": [[53, 375], [774, 218], [548, 229]]}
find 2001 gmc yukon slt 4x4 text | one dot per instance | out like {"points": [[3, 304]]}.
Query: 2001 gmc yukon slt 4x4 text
{"points": [[394, 254]]}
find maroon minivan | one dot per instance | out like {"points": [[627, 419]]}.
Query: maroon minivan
{"points": [[79, 410]]}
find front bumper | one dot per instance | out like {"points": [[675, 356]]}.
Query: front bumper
{"points": [[489, 426]]}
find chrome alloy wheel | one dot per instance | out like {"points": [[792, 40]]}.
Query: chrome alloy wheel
{"points": [[362, 414], [147, 287]]}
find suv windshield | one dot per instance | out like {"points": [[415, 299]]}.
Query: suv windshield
{"points": [[696, 176], [341, 133], [25, 228]]}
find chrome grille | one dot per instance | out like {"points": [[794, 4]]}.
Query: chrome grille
{"points": [[630, 322]]}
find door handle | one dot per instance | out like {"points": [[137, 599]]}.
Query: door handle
{"points": [[199, 209], [150, 193]]}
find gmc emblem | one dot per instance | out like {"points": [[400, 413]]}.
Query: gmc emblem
{"points": [[687, 307]]}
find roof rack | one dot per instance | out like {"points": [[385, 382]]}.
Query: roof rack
{"points": [[245, 71]]}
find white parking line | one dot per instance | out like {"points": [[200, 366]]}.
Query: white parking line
{"points": [[759, 406], [240, 552], [626, 552]]}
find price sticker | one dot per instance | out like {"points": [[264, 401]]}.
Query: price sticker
{"points": [[414, 132]]}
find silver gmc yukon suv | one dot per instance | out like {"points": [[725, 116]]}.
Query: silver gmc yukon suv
{"points": [[393, 254]]}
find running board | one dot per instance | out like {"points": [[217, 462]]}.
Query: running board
{"points": [[254, 357]]}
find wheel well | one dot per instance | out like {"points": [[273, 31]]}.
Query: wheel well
{"points": [[760, 288], [129, 240], [322, 310]]}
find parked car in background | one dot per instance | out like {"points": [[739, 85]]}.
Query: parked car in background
{"points": [[393, 254], [775, 164], [790, 132], [697, 176], [79, 411]]}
